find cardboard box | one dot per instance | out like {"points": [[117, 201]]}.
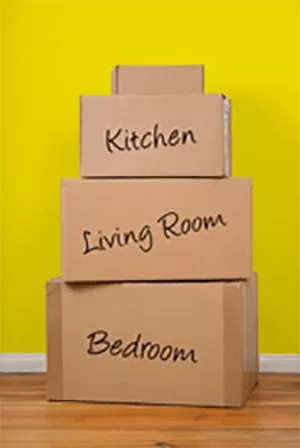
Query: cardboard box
{"points": [[157, 79], [156, 229], [146, 136], [158, 343]]}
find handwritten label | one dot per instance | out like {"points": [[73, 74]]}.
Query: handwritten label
{"points": [[170, 225], [99, 342], [130, 140]]}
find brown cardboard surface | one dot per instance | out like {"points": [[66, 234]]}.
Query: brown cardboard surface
{"points": [[159, 135], [156, 229], [234, 342], [157, 79], [54, 339], [163, 343], [252, 330]]}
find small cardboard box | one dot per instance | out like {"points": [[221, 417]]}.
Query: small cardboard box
{"points": [[157, 79], [150, 136], [156, 229], [158, 343]]}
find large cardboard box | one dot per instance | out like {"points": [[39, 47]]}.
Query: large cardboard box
{"points": [[157, 79], [159, 343], [159, 135], [156, 229]]}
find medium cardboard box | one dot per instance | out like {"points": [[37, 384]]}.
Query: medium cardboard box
{"points": [[156, 229], [150, 136], [157, 79], [158, 343]]}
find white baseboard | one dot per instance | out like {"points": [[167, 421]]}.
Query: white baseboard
{"points": [[278, 363], [36, 362], [22, 362]]}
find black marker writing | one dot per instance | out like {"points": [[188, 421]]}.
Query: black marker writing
{"points": [[172, 226], [143, 238], [126, 140], [99, 343]]}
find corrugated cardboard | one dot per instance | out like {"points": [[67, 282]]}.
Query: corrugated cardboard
{"points": [[158, 343], [156, 229], [157, 79], [146, 136]]}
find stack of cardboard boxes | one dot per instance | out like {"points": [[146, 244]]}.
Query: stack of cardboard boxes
{"points": [[157, 302]]}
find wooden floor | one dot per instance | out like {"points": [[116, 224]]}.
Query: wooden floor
{"points": [[271, 419]]}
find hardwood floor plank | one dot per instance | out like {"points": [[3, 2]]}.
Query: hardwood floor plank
{"points": [[147, 439], [271, 419]]}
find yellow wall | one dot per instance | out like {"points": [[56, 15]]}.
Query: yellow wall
{"points": [[53, 51]]}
